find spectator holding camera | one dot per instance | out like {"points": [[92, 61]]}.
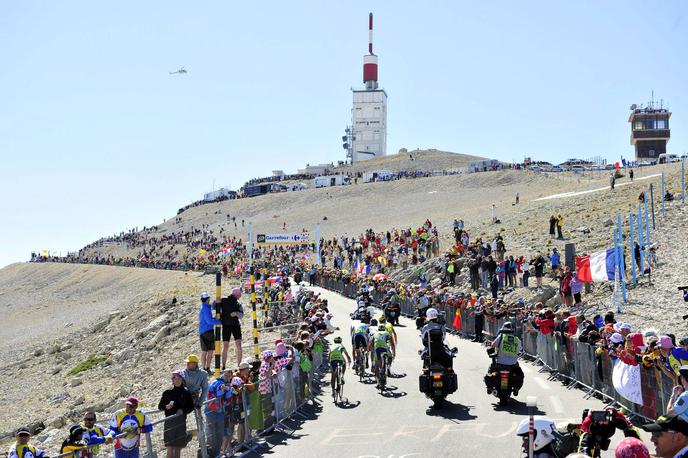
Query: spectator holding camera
{"points": [[599, 426]]}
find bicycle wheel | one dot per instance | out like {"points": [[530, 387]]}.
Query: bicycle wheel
{"points": [[340, 384], [382, 373]]}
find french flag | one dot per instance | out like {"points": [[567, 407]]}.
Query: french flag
{"points": [[596, 267]]}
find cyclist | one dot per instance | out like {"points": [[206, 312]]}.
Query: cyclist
{"points": [[337, 354], [390, 329], [381, 341], [360, 334]]}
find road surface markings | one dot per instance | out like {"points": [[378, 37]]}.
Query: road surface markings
{"points": [[556, 404], [580, 193], [542, 383]]}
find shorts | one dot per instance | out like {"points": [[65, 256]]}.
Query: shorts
{"points": [[360, 341], [379, 352], [208, 341], [230, 330], [336, 362]]}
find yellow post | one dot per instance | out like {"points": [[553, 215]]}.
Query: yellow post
{"points": [[218, 327], [254, 316], [266, 296]]}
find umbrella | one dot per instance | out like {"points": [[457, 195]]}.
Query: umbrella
{"points": [[379, 277]]}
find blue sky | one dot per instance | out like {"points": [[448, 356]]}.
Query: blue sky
{"points": [[96, 137]]}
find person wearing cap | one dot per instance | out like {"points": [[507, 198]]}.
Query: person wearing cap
{"points": [[132, 421], [22, 449], [669, 436], [75, 441], [678, 402], [195, 380], [206, 325], [218, 393], [231, 313], [675, 357], [97, 434], [177, 403]]}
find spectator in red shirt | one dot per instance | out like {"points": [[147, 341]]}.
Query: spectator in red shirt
{"points": [[546, 324]]}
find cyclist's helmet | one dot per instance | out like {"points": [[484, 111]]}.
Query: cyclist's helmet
{"points": [[373, 322], [382, 319], [431, 314], [506, 327], [381, 327], [337, 339]]}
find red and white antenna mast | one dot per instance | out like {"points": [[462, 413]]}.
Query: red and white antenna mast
{"points": [[370, 60]]}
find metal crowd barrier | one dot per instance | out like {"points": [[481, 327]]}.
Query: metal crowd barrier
{"points": [[567, 358]]}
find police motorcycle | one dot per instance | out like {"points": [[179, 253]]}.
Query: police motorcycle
{"points": [[437, 379], [504, 380]]}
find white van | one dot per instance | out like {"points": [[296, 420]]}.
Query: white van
{"points": [[666, 158]]}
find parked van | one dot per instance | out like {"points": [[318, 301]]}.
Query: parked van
{"points": [[666, 158], [331, 180]]}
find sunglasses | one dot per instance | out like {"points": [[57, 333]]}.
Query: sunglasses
{"points": [[90, 419], [656, 434]]}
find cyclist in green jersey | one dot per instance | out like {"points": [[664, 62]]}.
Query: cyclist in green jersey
{"points": [[381, 342], [337, 354], [390, 329]]}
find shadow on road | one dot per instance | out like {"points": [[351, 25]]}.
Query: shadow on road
{"points": [[391, 392], [451, 411], [516, 407], [396, 376], [348, 405]]}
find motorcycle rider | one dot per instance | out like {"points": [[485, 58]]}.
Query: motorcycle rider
{"points": [[508, 347], [392, 303], [440, 352]]}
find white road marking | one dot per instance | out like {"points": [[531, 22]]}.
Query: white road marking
{"points": [[556, 404], [542, 383], [589, 191]]}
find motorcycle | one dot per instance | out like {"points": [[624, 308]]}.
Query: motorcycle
{"points": [[436, 380], [392, 313], [498, 379]]}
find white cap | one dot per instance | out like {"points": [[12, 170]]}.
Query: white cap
{"points": [[205, 295]]}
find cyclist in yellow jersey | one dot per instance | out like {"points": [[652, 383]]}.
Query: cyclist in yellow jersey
{"points": [[337, 354]]}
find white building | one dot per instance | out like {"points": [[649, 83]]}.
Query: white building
{"points": [[369, 110]]}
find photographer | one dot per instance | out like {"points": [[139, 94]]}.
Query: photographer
{"points": [[599, 426]]}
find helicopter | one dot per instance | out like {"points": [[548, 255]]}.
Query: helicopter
{"points": [[181, 71]]}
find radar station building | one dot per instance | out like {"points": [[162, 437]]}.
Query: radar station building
{"points": [[649, 131]]}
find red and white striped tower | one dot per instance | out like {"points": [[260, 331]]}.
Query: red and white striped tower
{"points": [[370, 60]]}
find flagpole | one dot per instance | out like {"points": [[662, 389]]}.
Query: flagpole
{"points": [[640, 239], [632, 245], [616, 272], [622, 269], [663, 192]]}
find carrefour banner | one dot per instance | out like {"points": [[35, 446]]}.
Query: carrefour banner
{"points": [[283, 239]]}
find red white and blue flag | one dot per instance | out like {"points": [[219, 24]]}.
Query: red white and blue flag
{"points": [[596, 267]]}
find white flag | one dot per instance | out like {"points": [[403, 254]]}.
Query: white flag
{"points": [[626, 380]]}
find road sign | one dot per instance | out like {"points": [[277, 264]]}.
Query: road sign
{"points": [[283, 239]]}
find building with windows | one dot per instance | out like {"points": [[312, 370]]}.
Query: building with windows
{"points": [[368, 133], [649, 131]]}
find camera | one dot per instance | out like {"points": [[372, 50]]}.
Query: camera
{"points": [[602, 417]]}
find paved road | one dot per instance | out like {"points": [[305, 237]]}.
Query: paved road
{"points": [[401, 424]]}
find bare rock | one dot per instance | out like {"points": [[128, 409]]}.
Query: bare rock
{"points": [[57, 421]]}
